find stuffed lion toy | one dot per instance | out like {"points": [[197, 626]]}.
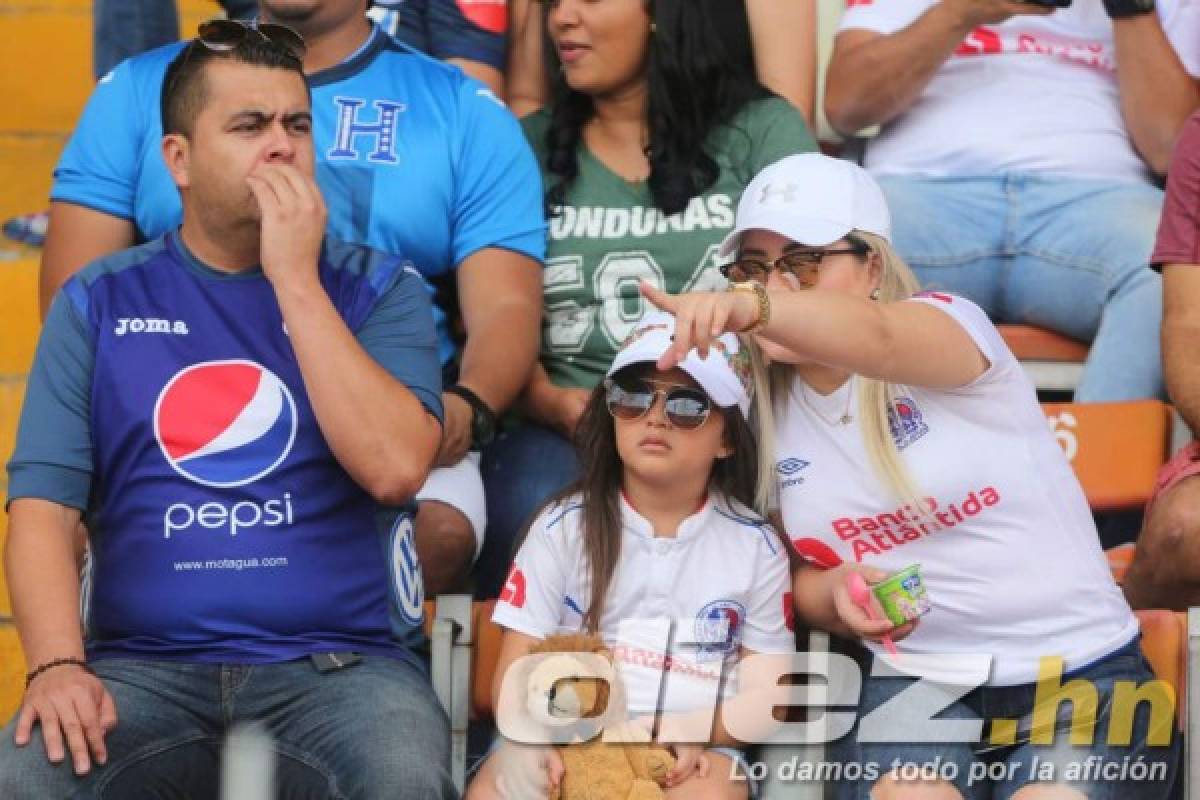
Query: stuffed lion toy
{"points": [[594, 770]]}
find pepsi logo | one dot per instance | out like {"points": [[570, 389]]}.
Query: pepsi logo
{"points": [[225, 423]]}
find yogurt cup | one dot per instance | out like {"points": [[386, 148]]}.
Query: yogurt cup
{"points": [[902, 595]]}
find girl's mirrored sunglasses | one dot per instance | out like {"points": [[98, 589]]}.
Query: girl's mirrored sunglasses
{"points": [[684, 407], [223, 35]]}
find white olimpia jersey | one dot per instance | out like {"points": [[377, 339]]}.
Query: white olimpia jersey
{"points": [[1030, 94], [720, 584], [1009, 553]]}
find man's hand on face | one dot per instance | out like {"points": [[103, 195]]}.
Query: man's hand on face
{"points": [[293, 223], [75, 711]]}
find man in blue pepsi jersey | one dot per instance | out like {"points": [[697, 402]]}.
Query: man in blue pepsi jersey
{"points": [[229, 406], [413, 158]]}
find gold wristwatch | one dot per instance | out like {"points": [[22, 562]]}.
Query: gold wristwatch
{"points": [[764, 303]]}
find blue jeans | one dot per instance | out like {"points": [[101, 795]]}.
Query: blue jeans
{"points": [[122, 29], [374, 730], [522, 468], [1020, 762], [1059, 253]]}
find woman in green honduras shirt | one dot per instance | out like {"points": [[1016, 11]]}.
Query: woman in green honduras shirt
{"points": [[655, 126]]}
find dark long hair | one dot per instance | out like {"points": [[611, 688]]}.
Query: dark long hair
{"points": [[699, 73], [734, 476]]}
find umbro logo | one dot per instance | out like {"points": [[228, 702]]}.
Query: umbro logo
{"points": [[126, 325], [789, 470], [790, 466]]}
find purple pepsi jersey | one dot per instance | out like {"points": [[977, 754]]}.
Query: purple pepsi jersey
{"points": [[165, 402]]}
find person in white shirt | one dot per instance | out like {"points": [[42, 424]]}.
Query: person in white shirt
{"points": [[659, 530], [1019, 151], [906, 433]]}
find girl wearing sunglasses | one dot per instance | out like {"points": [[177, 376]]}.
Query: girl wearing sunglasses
{"points": [[658, 531], [907, 433]]}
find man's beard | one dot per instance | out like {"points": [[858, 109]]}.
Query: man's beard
{"points": [[234, 218]]}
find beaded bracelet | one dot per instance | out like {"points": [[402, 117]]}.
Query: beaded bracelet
{"points": [[58, 662]]}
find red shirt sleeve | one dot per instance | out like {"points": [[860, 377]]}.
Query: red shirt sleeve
{"points": [[1179, 231]]}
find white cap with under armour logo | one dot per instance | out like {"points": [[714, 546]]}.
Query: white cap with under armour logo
{"points": [[724, 375], [811, 199]]}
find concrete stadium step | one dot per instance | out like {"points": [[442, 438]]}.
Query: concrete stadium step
{"points": [[19, 323], [45, 79], [5, 603], [12, 671], [12, 393], [18, 337], [42, 104], [56, 35], [26, 170]]}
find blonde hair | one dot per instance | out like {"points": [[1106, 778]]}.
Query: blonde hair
{"points": [[875, 397], [762, 422]]}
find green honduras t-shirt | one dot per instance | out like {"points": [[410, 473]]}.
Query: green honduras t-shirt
{"points": [[609, 236]]}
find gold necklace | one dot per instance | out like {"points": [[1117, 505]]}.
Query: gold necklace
{"points": [[844, 419]]}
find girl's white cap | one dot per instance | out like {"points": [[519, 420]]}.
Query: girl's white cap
{"points": [[725, 375], [811, 199]]}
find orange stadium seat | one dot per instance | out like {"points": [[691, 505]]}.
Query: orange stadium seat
{"points": [[1165, 643], [484, 654], [1115, 449], [1053, 362], [487, 653], [465, 646], [1038, 344]]}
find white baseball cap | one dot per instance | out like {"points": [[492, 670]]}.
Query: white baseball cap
{"points": [[724, 376], [811, 199]]}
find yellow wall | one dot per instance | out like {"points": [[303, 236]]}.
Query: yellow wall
{"points": [[45, 78]]}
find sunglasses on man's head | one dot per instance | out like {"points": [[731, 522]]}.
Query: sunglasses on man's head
{"points": [[685, 407], [223, 35]]}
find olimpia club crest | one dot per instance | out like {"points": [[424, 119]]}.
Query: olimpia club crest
{"points": [[906, 422]]}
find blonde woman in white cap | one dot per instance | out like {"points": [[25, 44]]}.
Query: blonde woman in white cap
{"points": [[658, 528], [907, 433]]}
